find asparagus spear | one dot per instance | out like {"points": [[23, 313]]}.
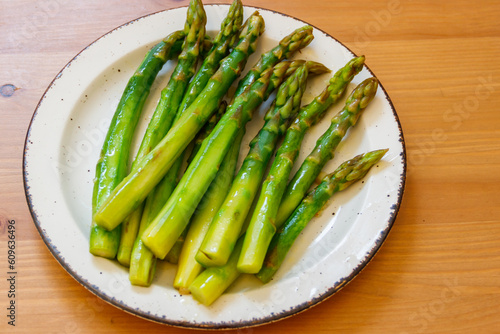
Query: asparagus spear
{"points": [[226, 227], [212, 282], [222, 42], [345, 175], [112, 165], [298, 39], [172, 94], [262, 223], [207, 130], [325, 147], [188, 267], [174, 253], [161, 234], [206, 47], [137, 185], [166, 109], [221, 45], [143, 261]]}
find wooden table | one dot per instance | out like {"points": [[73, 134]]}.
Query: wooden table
{"points": [[439, 270]]}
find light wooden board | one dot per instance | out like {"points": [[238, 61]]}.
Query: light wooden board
{"points": [[439, 270]]}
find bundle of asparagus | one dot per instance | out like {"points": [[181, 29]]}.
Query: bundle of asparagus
{"points": [[196, 217], [165, 112], [212, 282], [263, 221], [112, 165]]}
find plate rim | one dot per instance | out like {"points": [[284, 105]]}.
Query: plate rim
{"points": [[337, 286]]}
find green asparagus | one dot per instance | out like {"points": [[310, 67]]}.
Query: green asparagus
{"points": [[112, 165], [213, 281], [142, 259], [226, 227], [325, 147], [222, 43], [161, 234], [206, 131], [221, 47], [345, 175], [298, 39], [262, 223], [174, 253], [188, 267], [137, 185], [166, 110]]}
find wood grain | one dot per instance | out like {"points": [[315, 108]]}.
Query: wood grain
{"points": [[439, 270]]}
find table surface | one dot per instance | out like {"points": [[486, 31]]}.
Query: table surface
{"points": [[439, 269]]}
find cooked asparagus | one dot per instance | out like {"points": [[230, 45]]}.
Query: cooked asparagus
{"points": [[230, 27], [151, 169], [112, 165], [325, 147], [166, 110], [226, 227], [345, 175], [161, 234], [212, 282], [188, 268], [262, 223]]}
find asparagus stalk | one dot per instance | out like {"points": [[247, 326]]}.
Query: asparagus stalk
{"points": [[112, 165], [172, 94], [325, 147], [212, 282], [141, 271], [174, 253], [166, 110], [221, 45], [206, 47], [164, 189], [188, 267], [345, 175], [143, 261], [298, 39], [226, 227], [262, 223], [222, 42], [206, 131], [162, 233], [137, 185], [142, 264], [286, 47]]}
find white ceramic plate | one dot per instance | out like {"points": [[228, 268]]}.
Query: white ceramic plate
{"points": [[66, 135]]}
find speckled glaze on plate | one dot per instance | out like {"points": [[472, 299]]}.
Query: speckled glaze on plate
{"points": [[66, 135]]}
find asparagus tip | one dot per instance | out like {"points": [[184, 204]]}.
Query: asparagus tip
{"points": [[358, 63], [317, 68]]}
